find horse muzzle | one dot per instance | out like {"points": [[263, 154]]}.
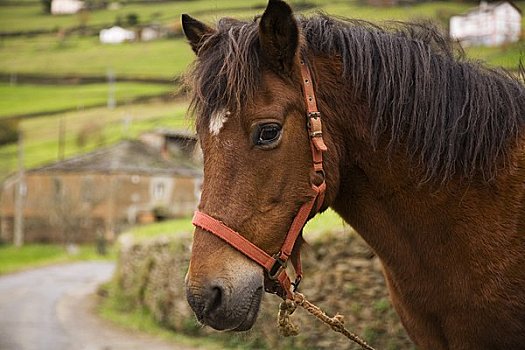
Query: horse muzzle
{"points": [[223, 306]]}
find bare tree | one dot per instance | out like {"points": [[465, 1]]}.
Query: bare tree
{"points": [[71, 212]]}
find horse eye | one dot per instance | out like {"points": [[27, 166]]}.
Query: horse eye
{"points": [[267, 134]]}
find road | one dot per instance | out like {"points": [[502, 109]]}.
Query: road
{"points": [[51, 308]]}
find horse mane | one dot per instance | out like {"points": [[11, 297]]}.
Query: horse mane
{"points": [[453, 116]]}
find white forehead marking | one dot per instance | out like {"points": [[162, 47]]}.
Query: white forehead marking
{"points": [[217, 120]]}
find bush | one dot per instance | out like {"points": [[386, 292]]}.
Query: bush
{"points": [[132, 19], [46, 6], [9, 131]]}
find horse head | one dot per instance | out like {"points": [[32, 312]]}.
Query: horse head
{"points": [[257, 159]]}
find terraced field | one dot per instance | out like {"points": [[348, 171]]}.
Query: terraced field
{"points": [[38, 50]]}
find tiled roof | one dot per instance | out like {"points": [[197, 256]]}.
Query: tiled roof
{"points": [[128, 156]]}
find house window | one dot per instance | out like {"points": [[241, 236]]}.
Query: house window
{"points": [[159, 190]]}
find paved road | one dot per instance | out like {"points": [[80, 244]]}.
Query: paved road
{"points": [[51, 309]]}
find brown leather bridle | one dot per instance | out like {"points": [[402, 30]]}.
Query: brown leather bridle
{"points": [[278, 281]]}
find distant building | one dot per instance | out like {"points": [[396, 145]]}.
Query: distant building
{"points": [[101, 193], [116, 35], [173, 144], [488, 24], [151, 33], [66, 7]]}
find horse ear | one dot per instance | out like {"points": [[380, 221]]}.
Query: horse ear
{"points": [[278, 36], [195, 31]]}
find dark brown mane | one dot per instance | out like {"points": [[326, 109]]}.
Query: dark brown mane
{"points": [[454, 116]]}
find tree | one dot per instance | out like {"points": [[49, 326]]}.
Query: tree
{"points": [[90, 132], [71, 210], [83, 19], [132, 19], [46, 5], [9, 131]]}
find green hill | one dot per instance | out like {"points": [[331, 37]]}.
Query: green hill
{"points": [[64, 50]]}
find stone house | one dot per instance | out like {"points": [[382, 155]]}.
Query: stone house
{"points": [[491, 24], [100, 193]]}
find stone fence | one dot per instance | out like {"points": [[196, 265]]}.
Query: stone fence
{"points": [[342, 275]]}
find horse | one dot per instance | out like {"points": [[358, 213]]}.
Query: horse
{"points": [[424, 158]]}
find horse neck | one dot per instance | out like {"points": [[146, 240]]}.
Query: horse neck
{"points": [[378, 190]]}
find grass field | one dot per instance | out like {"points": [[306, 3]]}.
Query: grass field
{"points": [[48, 54], [85, 56], [14, 259], [169, 12], [165, 59], [170, 227], [125, 121], [506, 56], [49, 98], [166, 13]]}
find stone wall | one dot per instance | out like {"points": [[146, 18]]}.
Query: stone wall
{"points": [[341, 276]]}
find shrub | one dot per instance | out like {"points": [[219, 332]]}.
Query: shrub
{"points": [[46, 5], [132, 19], [9, 131]]}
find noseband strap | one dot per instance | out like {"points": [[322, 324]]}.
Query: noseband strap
{"points": [[277, 281]]}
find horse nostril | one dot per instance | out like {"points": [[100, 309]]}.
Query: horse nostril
{"points": [[215, 299], [208, 301]]}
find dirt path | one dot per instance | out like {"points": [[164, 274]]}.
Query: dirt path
{"points": [[52, 308]]}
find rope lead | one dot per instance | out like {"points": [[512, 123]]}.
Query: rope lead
{"points": [[287, 328]]}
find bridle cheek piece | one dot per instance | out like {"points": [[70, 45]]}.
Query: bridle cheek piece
{"points": [[277, 280]]}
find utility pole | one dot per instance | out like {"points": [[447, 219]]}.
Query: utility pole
{"points": [[126, 125], [20, 193], [110, 223], [61, 138], [112, 103], [13, 79]]}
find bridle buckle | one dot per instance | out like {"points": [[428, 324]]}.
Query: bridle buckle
{"points": [[314, 114], [278, 267], [314, 121]]}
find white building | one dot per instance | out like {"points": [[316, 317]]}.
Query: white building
{"points": [[489, 24], [149, 34], [116, 35], [66, 7]]}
